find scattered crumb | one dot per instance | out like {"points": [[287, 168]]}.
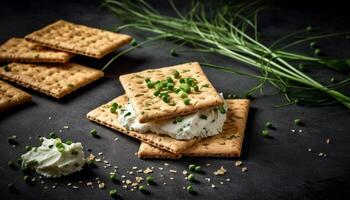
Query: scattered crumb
{"points": [[213, 186], [228, 180], [244, 169], [100, 153], [134, 168], [75, 187], [160, 168], [208, 164], [207, 179], [166, 164], [328, 141], [89, 183], [184, 172], [172, 171], [220, 171], [221, 182], [128, 182], [116, 139], [101, 185], [309, 149], [147, 170], [238, 163], [320, 154]]}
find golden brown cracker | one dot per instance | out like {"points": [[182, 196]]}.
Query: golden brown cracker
{"points": [[20, 50], [56, 80], [102, 115], [79, 39], [11, 96], [151, 108], [226, 144]]}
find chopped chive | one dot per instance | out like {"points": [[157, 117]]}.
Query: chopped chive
{"points": [[203, 117], [134, 42], [298, 122], [173, 52], [185, 87], [313, 44], [148, 80], [113, 177], [70, 85], [187, 101], [127, 114], [169, 79], [222, 110], [190, 189], [53, 135], [182, 80], [158, 86], [183, 94], [170, 86], [205, 85], [309, 28], [317, 52], [198, 169], [156, 93], [69, 142], [12, 165], [195, 87], [179, 119], [113, 193], [93, 133], [265, 133], [6, 68], [176, 73], [28, 148], [150, 180], [113, 109], [191, 177], [60, 147], [172, 103], [142, 189], [268, 125], [150, 84], [165, 98], [192, 167], [12, 140]]}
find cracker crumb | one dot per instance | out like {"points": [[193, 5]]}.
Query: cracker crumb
{"points": [[66, 127], [75, 187], [213, 186], [147, 170], [320, 154], [228, 180], [89, 183], [172, 171], [221, 182], [244, 169], [138, 179], [160, 168], [207, 179], [128, 182], [238, 163], [101, 185], [328, 141], [134, 168], [220, 171], [166, 164], [309, 149]]}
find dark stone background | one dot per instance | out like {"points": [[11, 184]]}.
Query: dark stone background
{"points": [[279, 168]]}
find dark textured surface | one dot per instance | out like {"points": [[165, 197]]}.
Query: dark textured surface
{"points": [[279, 168]]}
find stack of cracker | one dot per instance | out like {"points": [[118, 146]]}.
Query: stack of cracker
{"points": [[40, 60], [228, 143]]}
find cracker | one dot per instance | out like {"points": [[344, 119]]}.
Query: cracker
{"points": [[56, 80], [151, 108], [20, 50], [79, 39], [102, 115], [11, 96], [226, 144]]}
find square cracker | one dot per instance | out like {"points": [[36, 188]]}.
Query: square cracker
{"points": [[56, 80], [78, 39], [226, 144], [20, 50], [149, 107], [11, 96], [102, 115]]}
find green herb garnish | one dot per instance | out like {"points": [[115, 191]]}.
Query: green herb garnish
{"points": [[60, 147], [222, 110], [187, 101], [265, 133], [268, 125], [190, 189], [69, 142], [12, 140], [113, 177], [6, 68], [143, 189], [192, 167], [150, 180], [93, 133], [28, 148], [191, 177], [113, 193], [203, 117], [127, 114], [298, 122], [198, 169], [176, 73]]}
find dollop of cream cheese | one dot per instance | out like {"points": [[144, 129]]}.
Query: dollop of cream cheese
{"points": [[55, 158], [204, 123]]}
